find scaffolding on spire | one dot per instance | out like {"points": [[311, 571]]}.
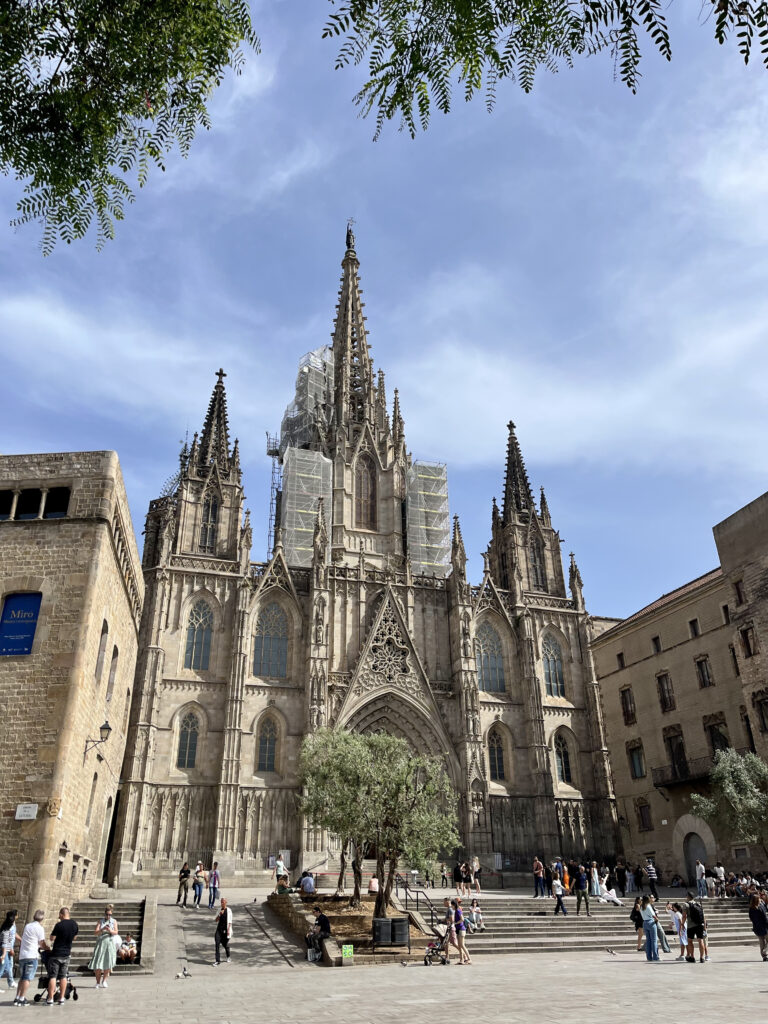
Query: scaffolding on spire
{"points": [[308, 415], [307, 476], [428, 518]]}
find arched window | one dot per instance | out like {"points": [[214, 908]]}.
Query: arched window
{"points": [[199, 632], [270, 644], [94, 783], [562, 759], [496, 755], [209, 523], [538, 571], [365, 493], [490, 664], [102, 651], [112, 673], [553, 667], [188, 733], [267, 746]]}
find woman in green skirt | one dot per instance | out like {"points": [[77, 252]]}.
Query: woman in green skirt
{"points": [[104, 953]]}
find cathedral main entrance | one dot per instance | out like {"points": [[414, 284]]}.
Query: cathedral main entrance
{"points": [[389, 713]]}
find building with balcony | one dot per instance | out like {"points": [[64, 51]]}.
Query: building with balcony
{"points": [[681, 679]]}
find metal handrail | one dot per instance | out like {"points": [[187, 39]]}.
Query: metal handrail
{"points": [[418, 893]]}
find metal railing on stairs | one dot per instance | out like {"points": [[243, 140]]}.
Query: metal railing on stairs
{"points": [[418, 898]]}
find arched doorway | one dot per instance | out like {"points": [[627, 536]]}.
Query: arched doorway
{"points": [[388, 712], [694, 849]]}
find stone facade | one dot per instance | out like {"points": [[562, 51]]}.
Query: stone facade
{"points": [[679, 679], [66, 535], [239, 661]]}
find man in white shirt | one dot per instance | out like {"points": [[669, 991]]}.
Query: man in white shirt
{"points": [[307, 884], [32, 941], [701, 885]]}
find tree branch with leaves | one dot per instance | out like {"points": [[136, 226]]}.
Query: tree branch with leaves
{"points": [[737, 804]]}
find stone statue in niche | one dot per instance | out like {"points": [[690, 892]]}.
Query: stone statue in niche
{"points": [[466, 643], [478, 808]]}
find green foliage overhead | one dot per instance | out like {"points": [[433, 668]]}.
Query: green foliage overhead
{"points": [[94, 90], [738, 802], [417, 50], [375, 791]]}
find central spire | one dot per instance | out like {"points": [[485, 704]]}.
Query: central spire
{"points": [[518, 498], [214, 439], [353, 372]]}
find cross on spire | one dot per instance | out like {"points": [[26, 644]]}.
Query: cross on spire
{"points": [[221, 375]]}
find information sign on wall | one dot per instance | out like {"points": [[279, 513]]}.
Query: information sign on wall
{"points": [[26, 812], [18, 623]]}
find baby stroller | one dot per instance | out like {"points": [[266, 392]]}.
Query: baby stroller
{"points": [[42, 983], [437, 951]]}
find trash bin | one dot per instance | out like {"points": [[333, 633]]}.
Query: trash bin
{"points": [[399, 931], [382, 931]]}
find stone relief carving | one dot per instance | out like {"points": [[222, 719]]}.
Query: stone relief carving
{"points": [[388, 662]]}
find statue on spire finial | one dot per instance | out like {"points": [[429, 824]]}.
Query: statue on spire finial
{"points": [[350, 233]]}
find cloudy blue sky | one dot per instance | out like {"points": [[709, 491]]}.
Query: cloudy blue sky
{"points": [[589, 263]]}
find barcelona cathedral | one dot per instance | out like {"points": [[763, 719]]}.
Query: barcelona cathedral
{"points": [[362, 619]]}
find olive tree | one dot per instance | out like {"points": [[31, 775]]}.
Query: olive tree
{"points": [[373, 790]]}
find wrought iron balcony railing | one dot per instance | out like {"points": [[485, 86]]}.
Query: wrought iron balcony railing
{"points": [[681, 772]]}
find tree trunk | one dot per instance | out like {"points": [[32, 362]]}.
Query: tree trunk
{"points": [[343, 860], [390, 880], [357, 871], [380, 910]]}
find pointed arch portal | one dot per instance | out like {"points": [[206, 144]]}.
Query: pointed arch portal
{"points": [[390, 713]]}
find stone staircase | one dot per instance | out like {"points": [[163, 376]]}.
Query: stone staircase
{"points": [[129, 915], [519, 924]]}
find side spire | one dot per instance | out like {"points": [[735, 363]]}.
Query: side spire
{"points": [[458, 553], [518, 499], [398, 424], [546, 519], [353, 371], [576, 584], [214, 439]]}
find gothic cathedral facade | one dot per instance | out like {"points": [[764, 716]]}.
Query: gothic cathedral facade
{"points": [[238, 661]]}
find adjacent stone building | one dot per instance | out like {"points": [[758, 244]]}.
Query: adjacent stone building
{"points": [[363, 619], [680, 679], [70, 604]]}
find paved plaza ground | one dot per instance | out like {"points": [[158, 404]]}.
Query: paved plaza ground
{"points": [[269, 982]]}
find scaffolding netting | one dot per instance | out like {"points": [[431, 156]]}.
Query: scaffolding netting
{"points": [[307, 477], [428, 517], [309, 412]]}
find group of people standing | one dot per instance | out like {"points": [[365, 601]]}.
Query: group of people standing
{"points": [[467, 876], [201, 879], [688, 921], [584, 882], [55, 951], [602, 880]]}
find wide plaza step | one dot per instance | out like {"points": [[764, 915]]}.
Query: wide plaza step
{"points": [[519, 924]]}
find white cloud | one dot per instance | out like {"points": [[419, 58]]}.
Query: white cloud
{"points": [[665, 396]]}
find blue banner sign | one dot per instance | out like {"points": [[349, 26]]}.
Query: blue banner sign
{"points": [[18, 623]]}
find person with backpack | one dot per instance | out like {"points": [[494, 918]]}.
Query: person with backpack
{"points": [[758, 915], [694, 922]]}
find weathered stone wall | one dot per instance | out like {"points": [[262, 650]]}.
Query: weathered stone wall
{"points": [[86, 566]]}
